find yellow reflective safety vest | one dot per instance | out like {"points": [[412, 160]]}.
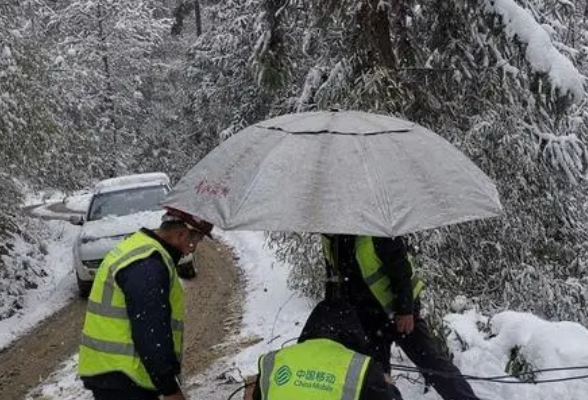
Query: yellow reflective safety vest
{"points": [[318, 369], [106, 344], [373, 271]]}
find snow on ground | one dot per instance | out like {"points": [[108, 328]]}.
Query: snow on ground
{"points": [[275, 315], [39, 197], [76, 202], [272, 311], [62, 384], [53, 292]]}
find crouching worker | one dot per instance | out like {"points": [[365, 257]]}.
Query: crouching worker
{"points": [[327, 363], [131, 344]]}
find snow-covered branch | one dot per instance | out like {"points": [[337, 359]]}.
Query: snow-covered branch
{"points": [[540, 52]]}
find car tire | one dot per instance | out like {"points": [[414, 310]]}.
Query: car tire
{"points": [[84, 287]]}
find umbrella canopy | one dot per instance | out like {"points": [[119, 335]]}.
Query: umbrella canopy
{"points": [[336, 172]]}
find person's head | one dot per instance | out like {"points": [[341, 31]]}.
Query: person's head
{"points": [[336, 321], [182, 230]]}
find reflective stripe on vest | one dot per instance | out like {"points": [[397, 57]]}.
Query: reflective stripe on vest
{"points": [[374, 276], [106, 343], [312, 370], [328, 249]]}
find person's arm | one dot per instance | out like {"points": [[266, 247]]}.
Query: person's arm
{"points": [[146, 286], [394, 257], [375, 386], [256, 390]]}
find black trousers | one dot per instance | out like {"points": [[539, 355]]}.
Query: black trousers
{"points": [[115, 394], [420, 348]]}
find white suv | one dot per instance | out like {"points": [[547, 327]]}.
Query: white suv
{"points": [[119, 206]]}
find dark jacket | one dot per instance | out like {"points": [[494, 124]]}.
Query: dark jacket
{"points": [[338, 322], [146, 286], [394, 256]]}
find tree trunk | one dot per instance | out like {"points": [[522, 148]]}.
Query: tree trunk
{"points": [[182, 10], [108, 102], [377, 32], [198, 17]]}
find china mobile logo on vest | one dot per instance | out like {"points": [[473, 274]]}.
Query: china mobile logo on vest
{"points": [[310, 379], [283, 375]]}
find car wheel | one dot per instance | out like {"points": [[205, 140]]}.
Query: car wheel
{"points": [[84, 287]]}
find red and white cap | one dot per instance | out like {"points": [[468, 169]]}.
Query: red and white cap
{"points": [[192, 222]]}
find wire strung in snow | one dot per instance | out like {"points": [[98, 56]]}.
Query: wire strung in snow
{"points": [[289, 341], [498, 378], [239, 389], [278, 314]]}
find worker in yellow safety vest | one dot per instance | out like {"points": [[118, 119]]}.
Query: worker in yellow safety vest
{"points": [[131, 344], [327, 363], [377, 276]]}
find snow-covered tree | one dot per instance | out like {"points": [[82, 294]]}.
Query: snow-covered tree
{"points": [[26, 125], [90, 86], [503, 82], [51, 103], [104, 52]]}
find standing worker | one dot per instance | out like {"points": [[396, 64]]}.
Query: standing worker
{"points": [[327, 363], [131, 344], [376, 275]]}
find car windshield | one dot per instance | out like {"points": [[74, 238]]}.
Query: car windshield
{"points": [[125, 202]]}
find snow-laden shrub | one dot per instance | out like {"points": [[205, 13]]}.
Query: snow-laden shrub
{"points": [[519, 367], [21, 251]]}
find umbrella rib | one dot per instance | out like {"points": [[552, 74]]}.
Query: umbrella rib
{"points": [[255, 178], [369, 174], [367, 122], [275, 128], [315, 179], [455, 161]]}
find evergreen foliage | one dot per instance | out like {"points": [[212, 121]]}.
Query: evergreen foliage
{"points": [[74, 105], [466, 75], [92, 88]]}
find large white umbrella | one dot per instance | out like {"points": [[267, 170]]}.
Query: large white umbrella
{"points": [[336, 172]]}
